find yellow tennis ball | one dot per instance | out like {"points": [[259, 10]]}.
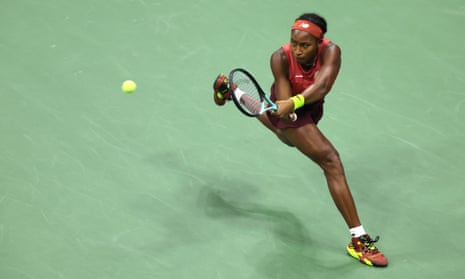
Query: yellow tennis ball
{"points": [[129, 86]]}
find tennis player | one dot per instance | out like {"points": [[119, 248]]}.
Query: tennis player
{"points": [[304, 71]]}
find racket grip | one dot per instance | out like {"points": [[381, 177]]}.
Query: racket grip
{"points": [[293, 117]]}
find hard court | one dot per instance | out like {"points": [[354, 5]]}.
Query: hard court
{"points": [[95, 183]]}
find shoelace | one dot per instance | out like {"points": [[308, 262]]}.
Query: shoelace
{"points": [[368, 244]]}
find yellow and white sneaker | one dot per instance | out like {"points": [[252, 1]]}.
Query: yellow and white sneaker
{"points": [[363, 249]]}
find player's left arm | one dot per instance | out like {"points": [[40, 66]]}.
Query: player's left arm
{"points": [[324, 80]]}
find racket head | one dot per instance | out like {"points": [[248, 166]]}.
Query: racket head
{"points": [[247, 94]]}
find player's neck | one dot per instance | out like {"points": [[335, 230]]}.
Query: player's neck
{"points": [[309, 65]]}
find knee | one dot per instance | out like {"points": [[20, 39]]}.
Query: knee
{"points": [[329, 160]]}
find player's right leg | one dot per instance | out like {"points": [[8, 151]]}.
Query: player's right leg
{"points": [[278, 132], [222, 93], [221, 90]]}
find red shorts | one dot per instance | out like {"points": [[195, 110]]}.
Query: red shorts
{"points": [[310, 113]]}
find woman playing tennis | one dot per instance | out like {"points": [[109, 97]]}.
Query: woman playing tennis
{"points": [[304, 71]]}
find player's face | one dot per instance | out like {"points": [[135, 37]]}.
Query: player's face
{"points": [[304, 46]]}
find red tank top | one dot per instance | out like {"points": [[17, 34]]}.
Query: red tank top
{"points": [[299, 78]]}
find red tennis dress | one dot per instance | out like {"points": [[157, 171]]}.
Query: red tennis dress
{"points": [[300, 80]]}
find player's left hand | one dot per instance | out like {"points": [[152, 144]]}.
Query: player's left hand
{"points": [[285, 108]]}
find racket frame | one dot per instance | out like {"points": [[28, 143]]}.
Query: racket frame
{"points": [[263, 98], [265, 102]]}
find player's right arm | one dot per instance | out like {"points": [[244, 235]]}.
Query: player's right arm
{"points": [[280, 68]]}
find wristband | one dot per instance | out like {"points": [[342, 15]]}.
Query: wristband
{"points": [[298, 100]]}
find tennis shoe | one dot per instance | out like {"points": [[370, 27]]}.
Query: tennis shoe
{"points": [[363, 249], [221, 90]]}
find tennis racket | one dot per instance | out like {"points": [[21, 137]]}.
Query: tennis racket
{"points": [[248, 96]]}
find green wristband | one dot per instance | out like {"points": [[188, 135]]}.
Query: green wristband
{"points": [[298, 100]]}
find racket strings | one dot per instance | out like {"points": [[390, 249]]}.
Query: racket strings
{"points": [[247, 93]]}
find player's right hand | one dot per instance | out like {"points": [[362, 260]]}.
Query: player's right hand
{"points": [[221, 90], [285, 109]]}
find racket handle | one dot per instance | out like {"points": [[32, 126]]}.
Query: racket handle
{"points": [[293, 117]]}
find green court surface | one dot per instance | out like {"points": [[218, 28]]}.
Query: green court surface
{"points": [[95, 183]]}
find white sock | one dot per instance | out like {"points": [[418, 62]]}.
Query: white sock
{"points": [[357, 231]]}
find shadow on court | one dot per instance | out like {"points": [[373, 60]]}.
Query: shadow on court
{"points": [[286, 227], [275, 242], [294, 254]]}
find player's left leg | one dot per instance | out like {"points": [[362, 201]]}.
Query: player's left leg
{"points": [[311, 142]]}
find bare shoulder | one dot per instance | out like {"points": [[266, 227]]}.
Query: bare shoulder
{"points": [[279, 56], [332, 48], [331, 53], [279, 60]]}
